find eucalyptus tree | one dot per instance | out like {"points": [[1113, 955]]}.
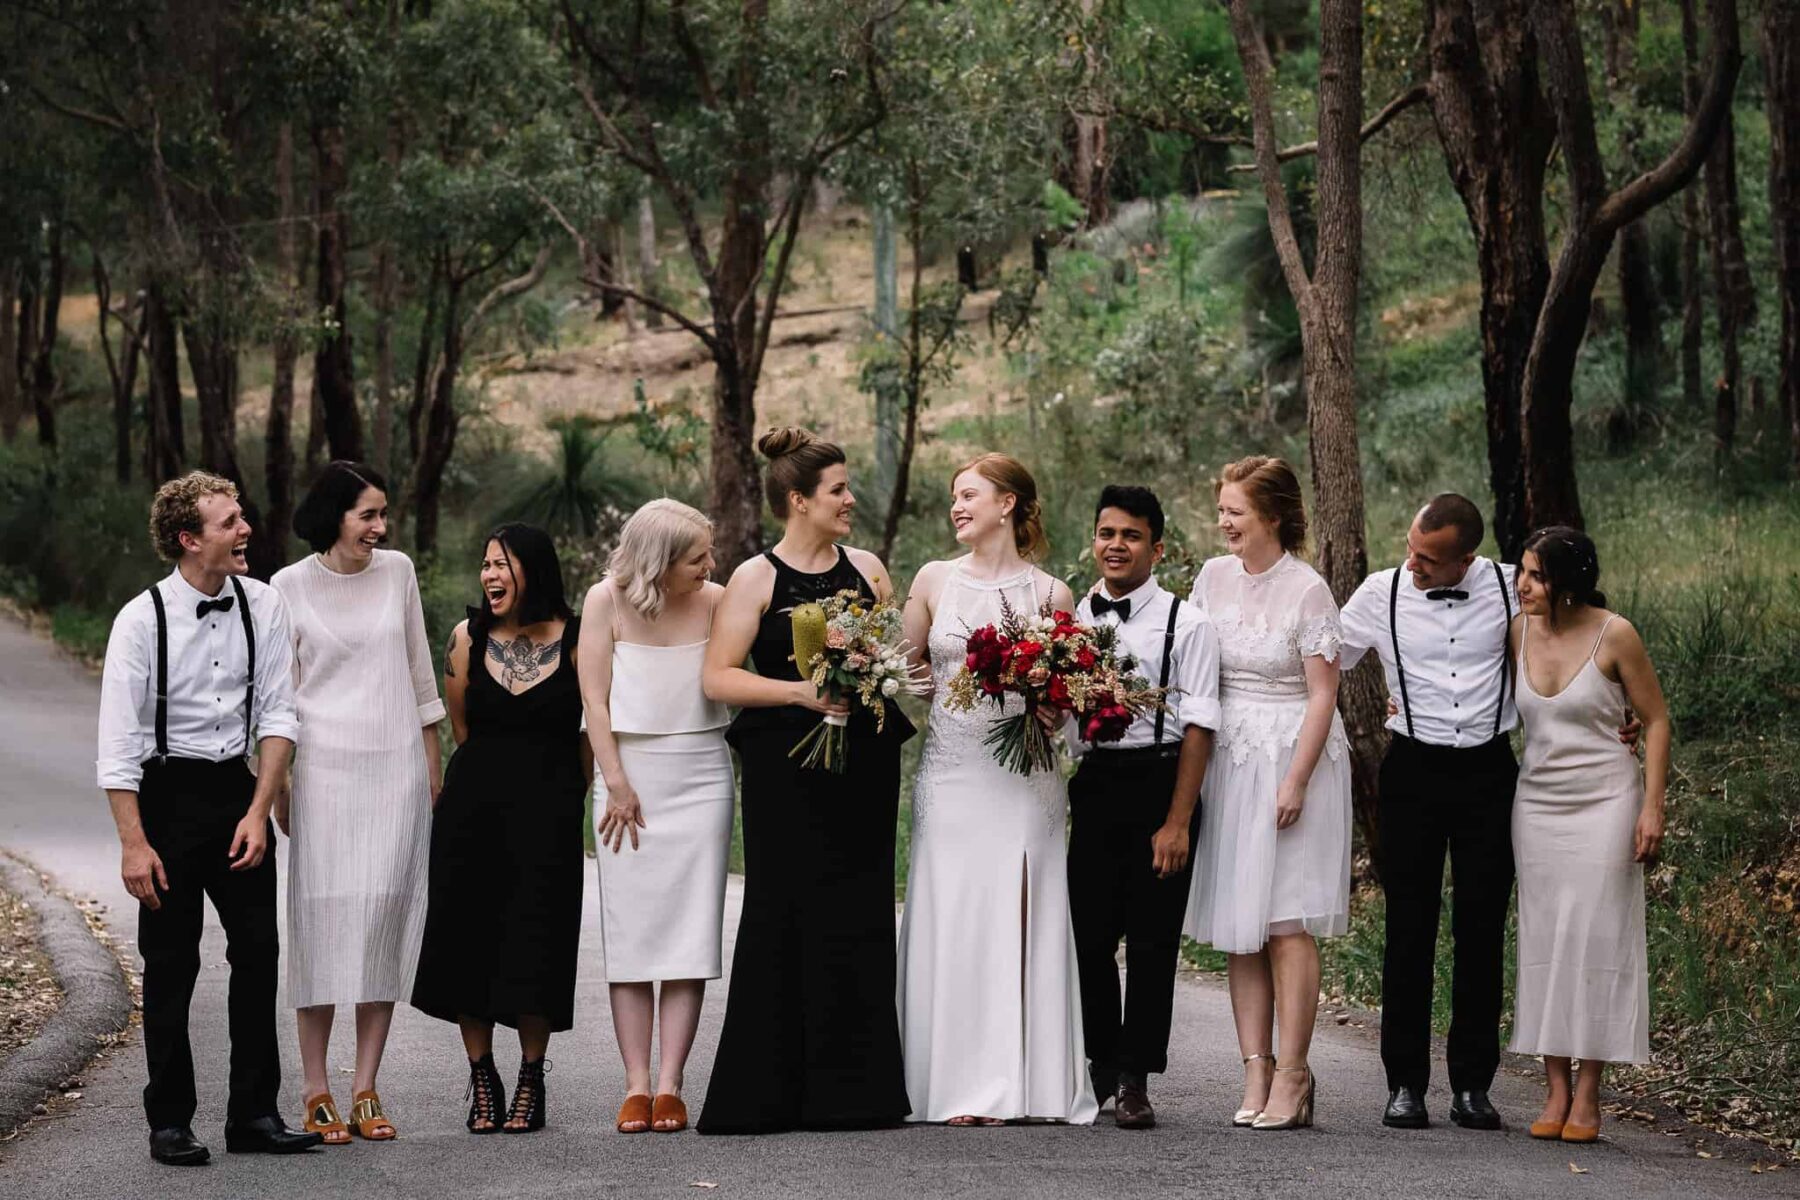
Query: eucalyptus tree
{"points": [[730, 110], [1508, 85], [972, 129], [1781, 45], [481, 84]]}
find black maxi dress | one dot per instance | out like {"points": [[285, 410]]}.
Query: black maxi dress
{"points": [[503, 926], [811, 1037]]}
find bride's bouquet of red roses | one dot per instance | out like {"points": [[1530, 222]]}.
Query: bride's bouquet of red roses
{"points": [[1055, 665]]}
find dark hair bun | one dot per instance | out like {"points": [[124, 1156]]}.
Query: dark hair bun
{"points": [[789, 439]]}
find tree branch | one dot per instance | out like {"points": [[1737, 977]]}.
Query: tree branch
{"points": [[789, 236], [78, 114], [1673, 173], [1253, 54], [690, 49], [1418, 93], [502, 292]]}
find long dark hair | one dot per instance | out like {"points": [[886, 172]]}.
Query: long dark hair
{"points": [[529, 547], [1570, 566]]}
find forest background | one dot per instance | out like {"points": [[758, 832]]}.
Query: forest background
{"points": [[545, 259]]}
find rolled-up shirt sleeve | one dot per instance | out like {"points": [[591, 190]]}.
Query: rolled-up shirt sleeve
{"points": [[1197, 656], [1364, 619], [418, 656], [276, 715], [124, 684]]}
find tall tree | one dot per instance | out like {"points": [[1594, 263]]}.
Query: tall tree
{"points": [[1496, 132], [1326, 297], [278, 432], [745, 103], [1594, 217], [1735, 293], [479, 79], [959, 160], [333, 75], [1781, 42], [1693, 307], [1509, 81], [1636, 273]]}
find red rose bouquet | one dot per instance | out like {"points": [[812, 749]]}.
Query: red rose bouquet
{"points": [[1053, 664]]}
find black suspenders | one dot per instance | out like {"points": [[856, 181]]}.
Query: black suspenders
{"points": [[162, 675], [162, 668], [250, 674], [1394, 633], [1168, 651], [1506, 676]]}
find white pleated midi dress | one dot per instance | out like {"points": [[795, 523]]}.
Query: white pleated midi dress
{"points": [[360, 819], [1584, 981], [1250, 879], [662, 905]]}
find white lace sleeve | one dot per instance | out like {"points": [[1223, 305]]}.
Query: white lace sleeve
{"points": [[1318, 630]]}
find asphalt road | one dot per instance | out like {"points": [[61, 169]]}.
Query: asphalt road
{"points": [[51, 813]]}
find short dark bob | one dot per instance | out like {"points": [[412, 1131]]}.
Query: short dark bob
{"points": [[321, 514]]}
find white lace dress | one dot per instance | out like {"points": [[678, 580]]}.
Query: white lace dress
{"points": [[990, 1007], [1251, 880]]}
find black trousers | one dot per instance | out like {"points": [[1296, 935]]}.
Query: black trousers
{"points": [[1118, 801], [1433, 797], [190, 809]]}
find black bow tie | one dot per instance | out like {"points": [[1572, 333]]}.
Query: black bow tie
{"points": [[222, 604], [1446, 594], [1101, 605]]}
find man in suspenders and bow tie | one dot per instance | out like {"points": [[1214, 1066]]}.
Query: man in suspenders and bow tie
{"points": [[1134, 805], [199, 673], [1439, 624]]}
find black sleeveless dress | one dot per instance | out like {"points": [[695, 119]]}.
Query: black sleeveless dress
{"points": [[811, 1037], [503, 927]]}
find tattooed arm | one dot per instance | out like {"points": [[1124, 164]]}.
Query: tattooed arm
{"points": [[456, 680]]}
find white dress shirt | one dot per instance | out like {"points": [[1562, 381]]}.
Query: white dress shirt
{"points": [[1193, 664], [208, 673], [1453, 651]]}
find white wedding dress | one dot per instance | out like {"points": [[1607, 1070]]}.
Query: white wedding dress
{"points": [[990, 1007]]}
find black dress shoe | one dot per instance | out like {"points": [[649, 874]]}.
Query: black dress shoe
{"points": [[1134, 1111], [267, 1135], [177, 1146], [1472, 1110], [1106, 1083], [1406, 1109]]}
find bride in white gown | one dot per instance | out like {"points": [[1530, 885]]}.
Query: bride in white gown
{"points": [[990, 1008]]}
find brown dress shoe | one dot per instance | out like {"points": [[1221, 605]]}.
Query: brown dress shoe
{"points": [[1134, 1111]]}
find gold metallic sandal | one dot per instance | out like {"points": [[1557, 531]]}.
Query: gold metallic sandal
{"points": [[322, 1118], [367, 1119]]}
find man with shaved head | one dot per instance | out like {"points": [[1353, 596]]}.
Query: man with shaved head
{"points": [[1439, 624]]}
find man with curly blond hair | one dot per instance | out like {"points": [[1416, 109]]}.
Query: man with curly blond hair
{"points": [[199, 675]]}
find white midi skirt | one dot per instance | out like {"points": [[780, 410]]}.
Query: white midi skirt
{"points": [[662, 905]]}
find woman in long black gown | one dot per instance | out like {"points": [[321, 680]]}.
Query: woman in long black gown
{"points": [[503, 924], [811, 1037]]}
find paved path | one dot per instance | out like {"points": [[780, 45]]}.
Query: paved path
{"points": [[50, 812]]}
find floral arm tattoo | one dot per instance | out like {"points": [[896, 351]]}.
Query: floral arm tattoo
{"points": [[521, 660]]}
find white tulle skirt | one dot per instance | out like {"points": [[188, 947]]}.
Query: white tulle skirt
{"points": [[1250, 879]]}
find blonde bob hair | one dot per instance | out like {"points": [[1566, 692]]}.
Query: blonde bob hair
{"points": [[654, 538]]}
